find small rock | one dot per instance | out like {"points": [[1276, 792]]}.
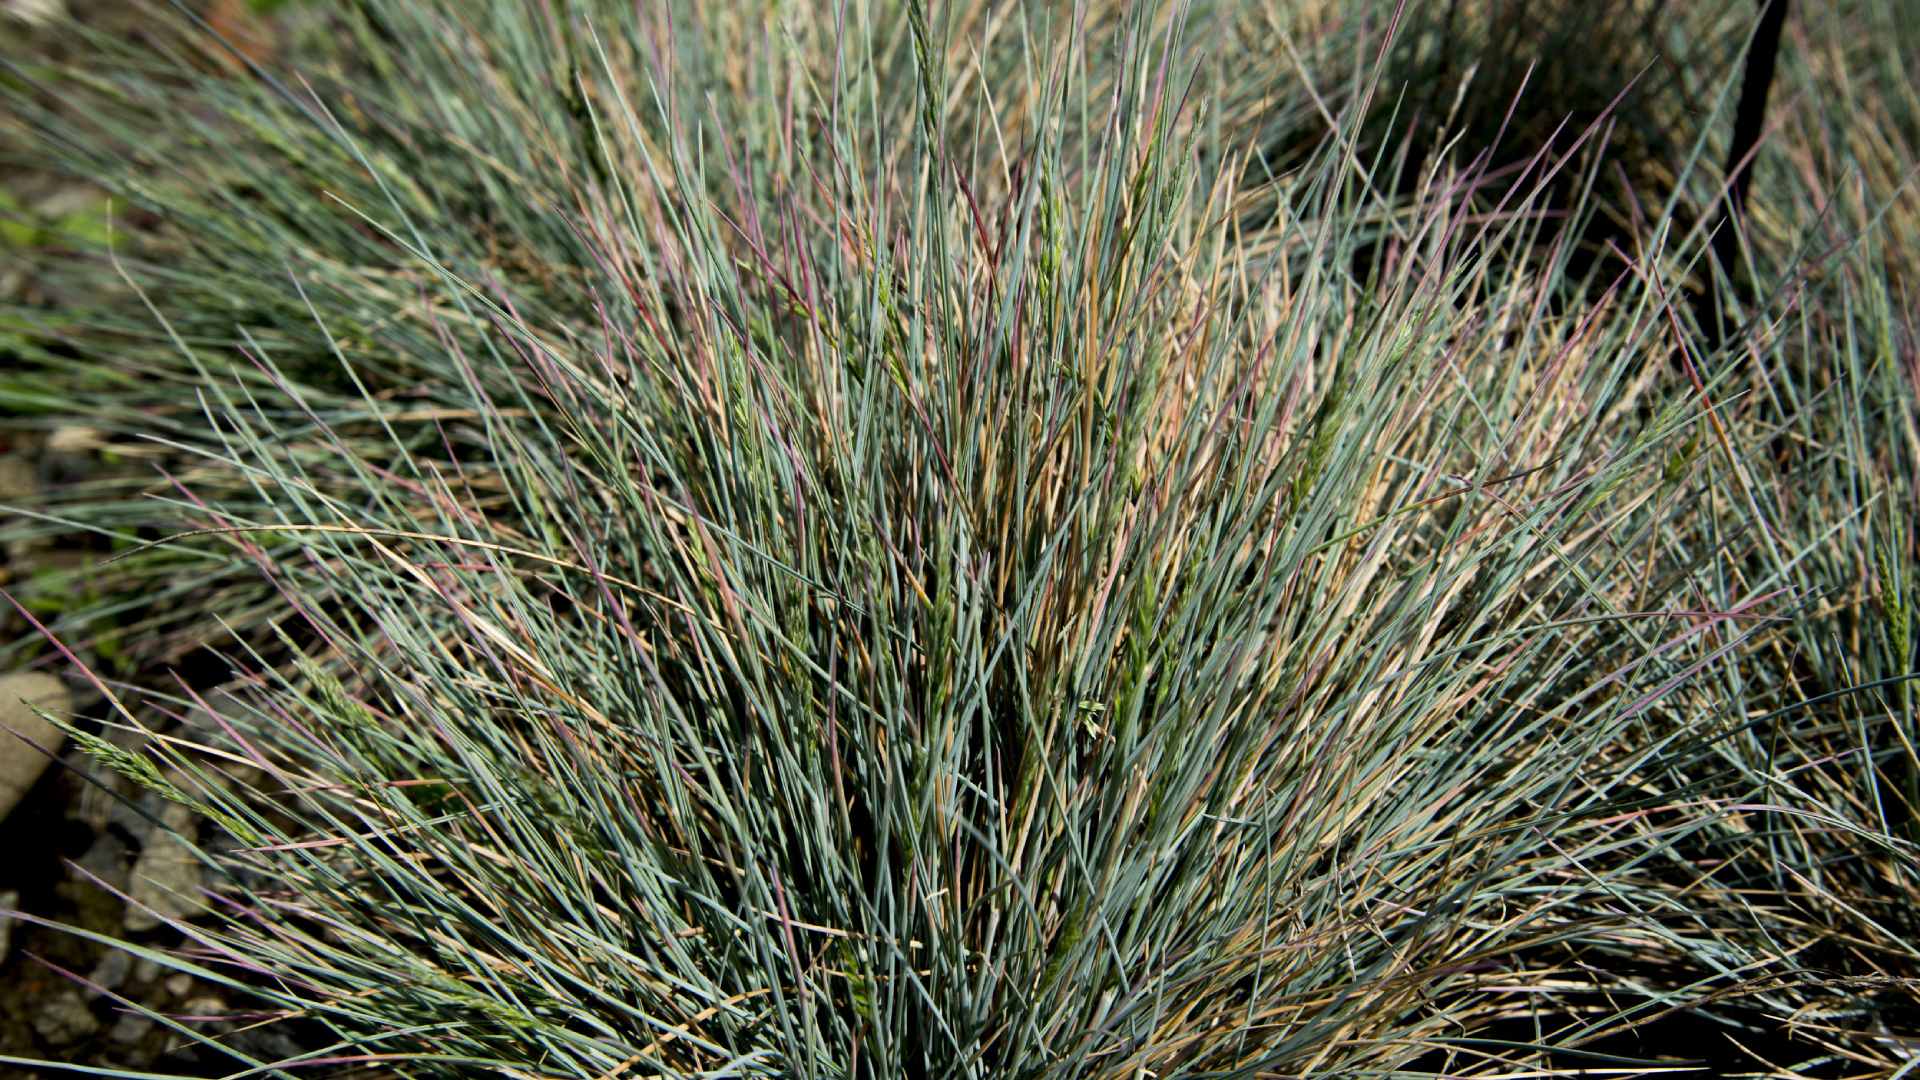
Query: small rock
{"points": [[17, 479], [146, 970], [34, 12], [268, 1042], [9, 901], [111, 972], [166, 877], [65, 1019], [179, 985], [107, 859], [70, 455], [67, 200], [129, 1029], [93, 803], [74, 439], [21, 764], [204, 1007]]}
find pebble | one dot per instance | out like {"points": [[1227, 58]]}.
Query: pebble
{"points": [[21, 764], [268, 1042], [107, 859], [34, 12], [17, 478], [74, 438], [179, 985], [111, 972], [93, 804], [65, 1019], [205, 1007], [167, 876], [129, 1029]]}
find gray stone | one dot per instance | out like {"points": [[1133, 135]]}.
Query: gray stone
{"points": [[94, 801], [34, 12], [129, 1029], [65, 1019], [70, 438], [70, 454], [107, 859], [93, 804], [205, 1007], [166, 878], [111, 972], [140, 816], [18, 481], [179, 985], [268, 1042], [21, 764], [116, 802]]}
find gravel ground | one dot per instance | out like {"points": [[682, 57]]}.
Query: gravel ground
{"points": [[76, 837]]}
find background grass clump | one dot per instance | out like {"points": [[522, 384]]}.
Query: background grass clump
{"points": [[979, 540]]}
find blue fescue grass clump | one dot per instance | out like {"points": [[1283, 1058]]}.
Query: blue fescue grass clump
{"points": [[865, 540]]}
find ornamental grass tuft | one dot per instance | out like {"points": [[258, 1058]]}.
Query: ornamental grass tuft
{"points": [[896, 540]]}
